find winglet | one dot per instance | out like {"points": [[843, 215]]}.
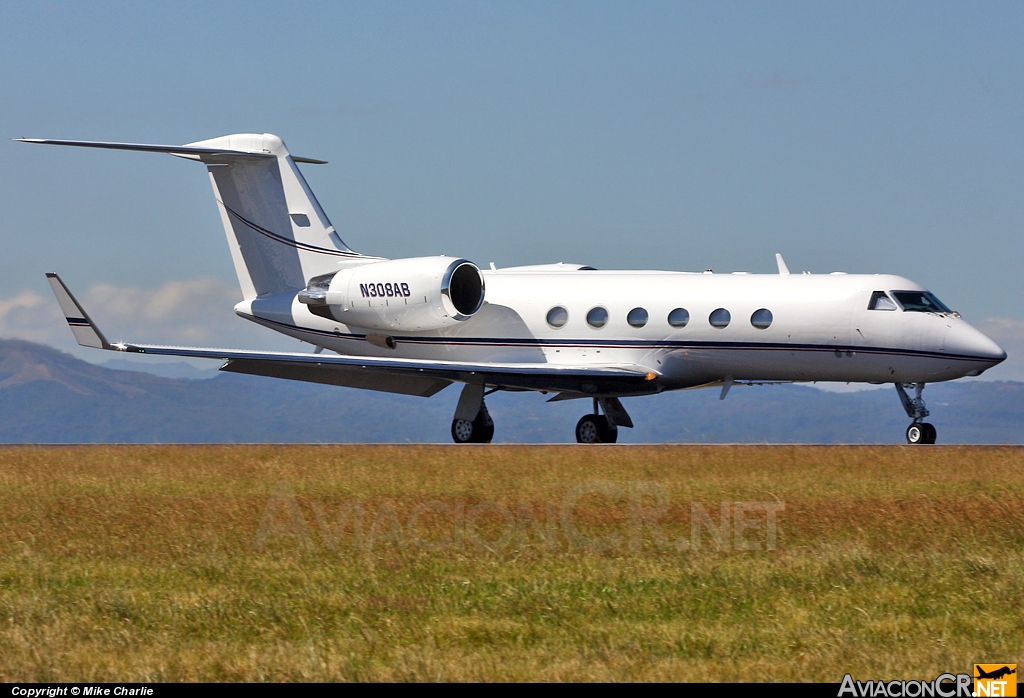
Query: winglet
{"points": [[783, 269], [86, 332]]}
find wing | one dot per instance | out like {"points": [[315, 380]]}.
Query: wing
{"points": [[408, 376]]}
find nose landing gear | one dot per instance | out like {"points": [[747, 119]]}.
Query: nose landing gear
{"points": [[919, 432]]}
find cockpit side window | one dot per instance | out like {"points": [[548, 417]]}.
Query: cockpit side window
{"points": [[880, 301], [919, 302]]}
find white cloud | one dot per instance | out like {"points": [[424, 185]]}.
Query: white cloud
{"points": [[29, 316], [198, 312], [195, 311]]}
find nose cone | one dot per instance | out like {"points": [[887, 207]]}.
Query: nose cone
{"points": [[964, 340]]}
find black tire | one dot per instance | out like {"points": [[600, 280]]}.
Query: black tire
{"points": [[930, 433], [483, 425], [917, 434], [463, 431], [611, 432], [479, 431], [595, 429]]}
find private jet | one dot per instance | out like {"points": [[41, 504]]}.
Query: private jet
{"points": [[415, 326]]}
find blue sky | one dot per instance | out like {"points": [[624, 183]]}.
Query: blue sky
{"points": [[862, 137]]}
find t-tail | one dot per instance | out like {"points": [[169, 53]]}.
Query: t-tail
{"points": [[278, 234]]}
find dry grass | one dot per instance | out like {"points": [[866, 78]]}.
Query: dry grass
{"points": [[138, 563]]}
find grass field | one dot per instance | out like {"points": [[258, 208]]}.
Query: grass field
{"points": [[549, 563]]}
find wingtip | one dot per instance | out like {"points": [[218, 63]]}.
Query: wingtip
{"points": [[52, 275]]}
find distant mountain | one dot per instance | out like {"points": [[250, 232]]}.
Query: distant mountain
{"points": [[47, 396], [178, 369]]}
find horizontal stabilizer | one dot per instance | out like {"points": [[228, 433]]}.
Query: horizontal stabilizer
{"points": [[85, 331], [149, 148], [171, 149]]}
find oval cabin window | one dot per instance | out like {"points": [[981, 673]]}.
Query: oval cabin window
{"points": [[720, 318], [597, 317], [679, 317], [637, 317], [558, 316], [761, 319]]}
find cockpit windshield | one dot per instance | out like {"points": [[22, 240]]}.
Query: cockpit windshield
{"points": [[919, 302]]}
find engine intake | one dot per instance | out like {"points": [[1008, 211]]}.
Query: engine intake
{"points": [[463, 285], [420, 293]]}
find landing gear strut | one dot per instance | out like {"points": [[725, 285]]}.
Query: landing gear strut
{"points": [[919, 432], [599, 428]]}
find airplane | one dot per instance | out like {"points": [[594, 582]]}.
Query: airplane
{"points": [[416, 325], [996, 674]]}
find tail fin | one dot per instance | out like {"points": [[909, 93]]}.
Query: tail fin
{"points": [[278, 234]]}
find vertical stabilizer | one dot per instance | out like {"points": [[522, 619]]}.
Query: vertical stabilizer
{"points": [[278, 234]]}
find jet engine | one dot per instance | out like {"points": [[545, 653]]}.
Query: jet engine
{"points": [[419, 293]]}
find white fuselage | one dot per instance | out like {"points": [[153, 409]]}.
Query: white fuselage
{"points": [[820, 330]]}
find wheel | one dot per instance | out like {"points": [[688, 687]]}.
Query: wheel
{"points": [[588, 429], [462, 431], [930, 433], [595, 429], [478, 431], [917, 434]]}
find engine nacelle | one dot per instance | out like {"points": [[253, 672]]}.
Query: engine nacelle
{"points": [[420, 293]]}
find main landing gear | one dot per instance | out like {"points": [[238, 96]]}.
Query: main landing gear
{"points": [[472, 423], [603, 428], [919, 432], [479, 430]]}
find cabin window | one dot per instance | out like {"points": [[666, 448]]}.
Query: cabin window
{"points": [[679, 317], [558, 316], [597, 317], [920, 302], [720, 318], [761, 319], [637, 317], [880, 301]]}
